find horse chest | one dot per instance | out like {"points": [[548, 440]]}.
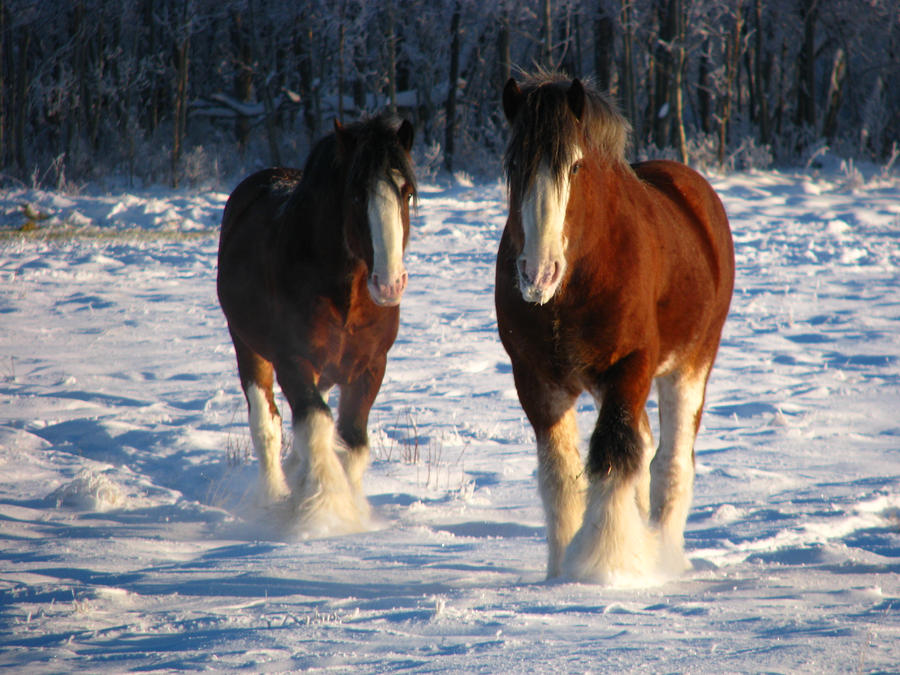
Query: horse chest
{"points": [[571, 344], [345, 346]]}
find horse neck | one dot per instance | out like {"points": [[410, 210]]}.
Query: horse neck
{"points": [[601, 203], [314, 229]]}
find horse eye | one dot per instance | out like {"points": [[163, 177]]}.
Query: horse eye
{"points": [[575, 167], [409, 198]]}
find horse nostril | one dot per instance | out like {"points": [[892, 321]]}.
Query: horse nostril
{"points": [[522, 266]]}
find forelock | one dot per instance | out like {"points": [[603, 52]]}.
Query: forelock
{"points": [[377, 153], [545, 131]]}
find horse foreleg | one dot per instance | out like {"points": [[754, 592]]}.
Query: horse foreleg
{"points": [[615, 543], [672, 470], [356, 401], [550, 409], [265, 421], [562, 486], [323, 497]]}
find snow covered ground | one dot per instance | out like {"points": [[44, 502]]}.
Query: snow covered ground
{"points": [[130, 540]]}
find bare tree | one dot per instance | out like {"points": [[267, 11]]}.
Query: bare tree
{"points": [[806, 65], [449, 143], [604, 51], [90, 87], [629, 91]]}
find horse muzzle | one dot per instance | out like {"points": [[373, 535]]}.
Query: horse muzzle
{"points": [[539, 283], [387, 294]]}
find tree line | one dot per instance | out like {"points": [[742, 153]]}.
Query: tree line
{"points": [[178, 90]]}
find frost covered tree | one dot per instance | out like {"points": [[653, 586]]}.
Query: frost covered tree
{"points": [[172, 90]]}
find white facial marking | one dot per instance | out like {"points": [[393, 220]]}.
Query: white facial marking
{"points": [[542, 263], [387, 279]]}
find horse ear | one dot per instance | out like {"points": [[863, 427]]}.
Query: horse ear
{"points": [[576, 98], [405, 133], [512, 98]]}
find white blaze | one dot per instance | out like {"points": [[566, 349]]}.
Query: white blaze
{"points": [[542, 262], [388, 275]]}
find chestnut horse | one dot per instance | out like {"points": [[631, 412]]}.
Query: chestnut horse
{"points": [[609, 276], [310, 277]]}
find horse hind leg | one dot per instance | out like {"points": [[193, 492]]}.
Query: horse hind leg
{"points": [[265, 421], [681, 398]]}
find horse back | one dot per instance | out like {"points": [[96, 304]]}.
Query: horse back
{"points": [[270, 187]]}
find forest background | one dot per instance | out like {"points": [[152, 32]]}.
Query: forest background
{"points": [[189, 92]]}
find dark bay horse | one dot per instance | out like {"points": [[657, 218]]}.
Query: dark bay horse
{"points": [[310, 278], [609, 276]]}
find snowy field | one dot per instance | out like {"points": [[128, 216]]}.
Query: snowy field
{"points": [[130, 541]]}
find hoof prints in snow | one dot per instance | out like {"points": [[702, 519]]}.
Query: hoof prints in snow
{"points": [[130, 535]]}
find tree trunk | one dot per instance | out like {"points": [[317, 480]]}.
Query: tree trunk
{"points": [[806, 66], [303, 52], [341, 41], [779, 108], [704, 95], [392, 57], [151, 109], [504, 48], [4, 61], [20, 100], [603, 48], [732, 59], [762, 90], [628, 82], [575, 30], [871, 130], [568, 61], [547, 47], [264, 73], [667, 12], [243, 79], [182, 62], [680, 60], [835, 94], [451, 92]]}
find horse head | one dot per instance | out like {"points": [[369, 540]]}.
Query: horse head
{"points": [[379, 187], [557, 127]]}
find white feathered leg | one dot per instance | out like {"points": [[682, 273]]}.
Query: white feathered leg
{"points": [[355, 462], [324, 499], [265, 431], [643, 480], [615, 546], [562, 486], [672, 470]]}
